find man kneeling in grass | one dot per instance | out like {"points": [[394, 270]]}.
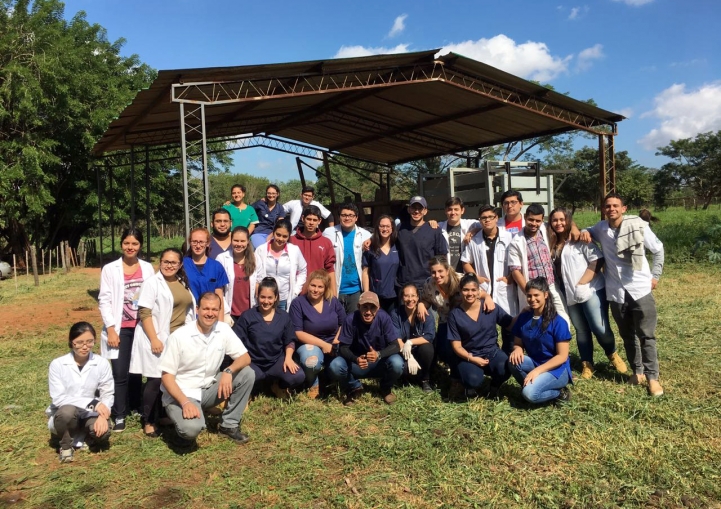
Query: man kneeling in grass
{"points": [[192, 380]]}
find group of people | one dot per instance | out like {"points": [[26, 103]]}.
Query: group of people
{"points": [[261, 300]]}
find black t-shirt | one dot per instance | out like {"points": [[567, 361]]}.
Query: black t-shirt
{"points": [[415, 248], [455, 246]]}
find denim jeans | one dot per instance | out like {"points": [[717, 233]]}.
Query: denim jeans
{"points": [[592, 317], [285, 379], [636, 320], [347, 374], [312, 360], [283, 304], [258, 239], [349, 301], [545, 387]]}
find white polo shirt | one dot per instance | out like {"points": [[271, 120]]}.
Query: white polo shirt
{"points": [[195, 358], [620, 276]]}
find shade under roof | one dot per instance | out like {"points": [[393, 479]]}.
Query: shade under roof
{"points": [[386, 108]]}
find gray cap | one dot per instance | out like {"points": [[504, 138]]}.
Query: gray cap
{"points": [[418, 199]]}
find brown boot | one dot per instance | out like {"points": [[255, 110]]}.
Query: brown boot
{"points": [[587, 370], [314, 392], [617, 362], [637, 379], [278, 392], [655, 389]]}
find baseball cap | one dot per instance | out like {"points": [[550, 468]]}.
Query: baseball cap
{"points": [[418, 199], [369, 298]]}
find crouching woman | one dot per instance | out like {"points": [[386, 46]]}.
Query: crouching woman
{"points": [[74, 380], [544, 371]]}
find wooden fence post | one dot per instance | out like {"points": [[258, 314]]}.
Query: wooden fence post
{"points": [[15, 272], [33, 256]]}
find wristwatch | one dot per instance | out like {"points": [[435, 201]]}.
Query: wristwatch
{"points": [[229, 371]]}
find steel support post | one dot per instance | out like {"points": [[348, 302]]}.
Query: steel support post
{"points": [[606, 166], [132, 186], [147, 203], [100, 215], [328, 177], [109, 168], [196, 189]]}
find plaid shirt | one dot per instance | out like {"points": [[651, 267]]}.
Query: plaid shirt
{"points": [[539, 259]]}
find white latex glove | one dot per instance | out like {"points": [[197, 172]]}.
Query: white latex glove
{"points": [[413, 365], [407, 346]]}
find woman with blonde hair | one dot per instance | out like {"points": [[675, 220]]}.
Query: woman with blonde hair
{"points": [[317, 317]]}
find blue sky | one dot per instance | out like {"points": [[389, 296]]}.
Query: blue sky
{"points": [[654, 61]]}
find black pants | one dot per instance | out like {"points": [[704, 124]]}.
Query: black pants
{"points": [[151, 400], [128, 385], [388, 304], [67, 423], [424, 354]]}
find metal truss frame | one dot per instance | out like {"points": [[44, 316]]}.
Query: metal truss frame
{"points": [[196, 190], [225, 92], [607, 166]]}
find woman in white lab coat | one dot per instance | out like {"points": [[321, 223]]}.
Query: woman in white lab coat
{"points": [[120, 282], [165, 303], [81, 393]]}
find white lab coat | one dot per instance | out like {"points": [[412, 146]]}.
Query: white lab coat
{"points": [[226, 260], [335, 235], [156, 296], [298, 268], [71, 386], [476, 254], [110, 300], [575, 259]]}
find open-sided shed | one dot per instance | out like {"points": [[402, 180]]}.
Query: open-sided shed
{"points": [[387, 109]]}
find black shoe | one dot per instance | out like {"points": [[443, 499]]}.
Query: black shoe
{"points": [[471, 393], [426, 386], [353, 396], [563, 398], [494, 393], [234, 434], [119, 425]]}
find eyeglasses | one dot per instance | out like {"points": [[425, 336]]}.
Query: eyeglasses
{"points": [[84, 343], [510, 202], [198, 242], [347, 216], [168, 263], [488, 218]]}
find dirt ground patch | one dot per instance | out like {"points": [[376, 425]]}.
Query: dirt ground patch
{"points": [[26, 314]]}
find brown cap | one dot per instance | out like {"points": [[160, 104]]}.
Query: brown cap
{"points": [[369, 298]]}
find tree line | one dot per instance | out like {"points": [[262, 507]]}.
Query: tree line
{"points": [[62, 82]]}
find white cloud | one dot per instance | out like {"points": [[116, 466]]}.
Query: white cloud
{"points": [[531, 60], [398, 25], [264, 165], [362, 51], [587, 56], [684, 114], [635, 3], [574, 12], [626, 112]]}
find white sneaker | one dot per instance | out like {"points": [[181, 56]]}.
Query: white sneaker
{"points": [[66, 455]]}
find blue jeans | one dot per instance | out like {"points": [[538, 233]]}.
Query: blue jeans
{"points": [[545, 387], [311, 359], [592, 316], [347, 374], [258, 239], [283, 304]]}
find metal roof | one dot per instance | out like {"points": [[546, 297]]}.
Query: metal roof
{"points": [[385, 108]]}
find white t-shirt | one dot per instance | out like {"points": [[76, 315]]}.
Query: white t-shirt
{"points": [[294, 209]]}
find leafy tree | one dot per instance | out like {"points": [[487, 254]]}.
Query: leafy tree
{"points": [[696, 164]]}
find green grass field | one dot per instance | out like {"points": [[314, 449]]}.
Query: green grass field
{"points": [[613, 446]]}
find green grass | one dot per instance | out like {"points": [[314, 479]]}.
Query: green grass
{"points": [[613, 446]]}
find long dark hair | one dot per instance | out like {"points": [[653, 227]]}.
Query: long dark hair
{"points": [[78, 329], [549, 310], [375, 246], [554, 239], [132, 232], [249, 251], [182, 277]]}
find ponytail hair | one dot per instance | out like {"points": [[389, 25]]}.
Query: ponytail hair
{"points": [[181, 275]]}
